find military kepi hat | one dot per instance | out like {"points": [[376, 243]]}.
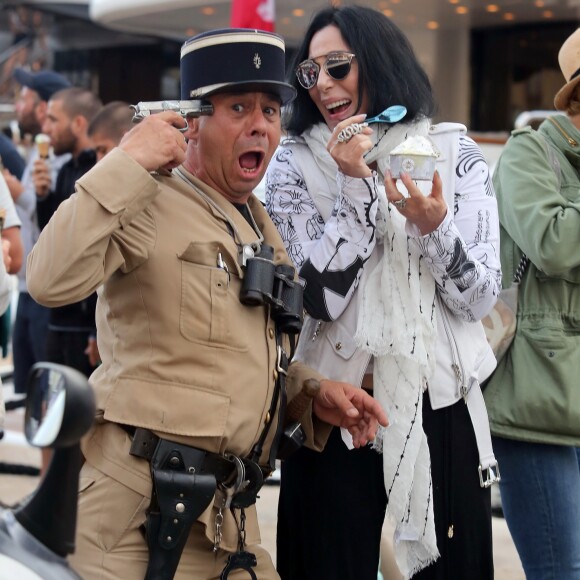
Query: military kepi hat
{"points": [[232, 59]]}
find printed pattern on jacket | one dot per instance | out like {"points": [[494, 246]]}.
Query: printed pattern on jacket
{"points": [[462, 254]]}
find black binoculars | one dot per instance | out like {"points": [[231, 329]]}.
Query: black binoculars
{"points": [[267, 283]]}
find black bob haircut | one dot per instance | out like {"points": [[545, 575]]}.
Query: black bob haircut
{"points": [[388, 67]]}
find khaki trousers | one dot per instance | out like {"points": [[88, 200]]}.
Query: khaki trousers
{"points": [[111, 546]]}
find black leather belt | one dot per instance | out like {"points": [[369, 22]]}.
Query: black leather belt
{"points": [[144, 443]]}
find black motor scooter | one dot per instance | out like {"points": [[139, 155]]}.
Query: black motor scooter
{"points": [[37, 536]]}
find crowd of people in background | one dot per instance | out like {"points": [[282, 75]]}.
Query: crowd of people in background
{"points": [[357, 236], [49, 107], [67, 130]]}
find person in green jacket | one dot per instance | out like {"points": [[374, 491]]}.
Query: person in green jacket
{"points": [[533, 397]]}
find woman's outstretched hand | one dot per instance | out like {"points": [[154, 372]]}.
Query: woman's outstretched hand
{"points": [[344, 405]]}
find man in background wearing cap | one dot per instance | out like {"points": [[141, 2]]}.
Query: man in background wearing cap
{"points": [[533, 397], [31, 322], [193, 371]]}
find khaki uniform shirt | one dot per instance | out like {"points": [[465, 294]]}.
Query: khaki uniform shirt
{"points": [[180, 354]]}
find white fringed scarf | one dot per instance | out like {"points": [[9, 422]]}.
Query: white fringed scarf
{"points": [[397, 325]]}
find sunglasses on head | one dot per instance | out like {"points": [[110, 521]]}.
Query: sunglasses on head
{"points": [[336, 66]]}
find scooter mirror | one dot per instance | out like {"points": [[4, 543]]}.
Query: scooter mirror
{"points": [[60, 406]]}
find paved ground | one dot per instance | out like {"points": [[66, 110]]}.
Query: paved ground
{"points": [[13, 449]]}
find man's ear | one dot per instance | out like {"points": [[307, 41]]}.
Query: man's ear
{"points": [[40, 110], [79, 125], [192, 128]]}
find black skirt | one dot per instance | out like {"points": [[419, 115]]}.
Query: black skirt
{"points": [[332, 506]]}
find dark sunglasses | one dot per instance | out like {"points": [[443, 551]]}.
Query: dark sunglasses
{"points": [[336, 65]]}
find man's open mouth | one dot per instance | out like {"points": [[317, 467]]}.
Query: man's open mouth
{"points": [[250, 162]]}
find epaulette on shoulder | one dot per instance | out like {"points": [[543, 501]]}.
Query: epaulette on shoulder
{"points": [[522, 130]]}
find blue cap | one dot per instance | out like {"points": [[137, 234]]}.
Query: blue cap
{"points": [[234, 59], [44, 82]]}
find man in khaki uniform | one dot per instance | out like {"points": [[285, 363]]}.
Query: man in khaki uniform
{"points": [[189, 390]]}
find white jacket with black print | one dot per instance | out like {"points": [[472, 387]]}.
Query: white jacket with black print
{"points": [[330, 234]]}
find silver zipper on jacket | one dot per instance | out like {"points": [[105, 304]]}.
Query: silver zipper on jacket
{"points": [[457, 363], [317, 330]]}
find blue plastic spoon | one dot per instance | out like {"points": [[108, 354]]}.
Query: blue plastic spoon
{"points": [[389, 115]]}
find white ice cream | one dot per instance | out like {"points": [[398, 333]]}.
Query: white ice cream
{"points": [[416, 145]]}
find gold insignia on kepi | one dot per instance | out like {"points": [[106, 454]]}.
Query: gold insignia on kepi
{"points": [[257, 61]]}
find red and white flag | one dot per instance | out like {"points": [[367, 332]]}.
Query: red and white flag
{"points": [[258, 14]]}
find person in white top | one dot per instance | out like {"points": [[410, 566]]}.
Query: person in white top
{"points": [[8, 217], [396, 283]]}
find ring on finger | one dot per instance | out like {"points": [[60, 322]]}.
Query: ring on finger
{"points": [[349, 132], [401, 203]]}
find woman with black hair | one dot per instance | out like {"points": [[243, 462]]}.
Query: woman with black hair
{"points": [[395, 286]]}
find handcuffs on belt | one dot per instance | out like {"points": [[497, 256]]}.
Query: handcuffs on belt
{"points": [[240, 494]]}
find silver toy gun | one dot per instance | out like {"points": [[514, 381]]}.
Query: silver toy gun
{"points": [[194, 108]]}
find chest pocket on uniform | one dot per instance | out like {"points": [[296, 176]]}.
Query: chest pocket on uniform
{"points": [[210, 307]]}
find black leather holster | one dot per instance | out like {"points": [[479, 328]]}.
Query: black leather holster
{"points": [[183, 488]]}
